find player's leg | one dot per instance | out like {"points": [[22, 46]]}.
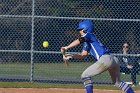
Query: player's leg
{"points": [[114, 71], [87, 74], [86, 77], [115, 75], [88, 84], [93, 70]]}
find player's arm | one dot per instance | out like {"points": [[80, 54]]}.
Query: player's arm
{"points": [[77, 42], [74, 43], [80, 56], [76, 56]]}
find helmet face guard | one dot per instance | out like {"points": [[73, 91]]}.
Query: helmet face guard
{"points": [[86, 25]]}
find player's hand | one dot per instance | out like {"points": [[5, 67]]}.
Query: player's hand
{"points": [[66, 57], [63, 50], [129, 66]]}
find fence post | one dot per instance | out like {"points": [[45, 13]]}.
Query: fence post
{"points": [[32, 45]]}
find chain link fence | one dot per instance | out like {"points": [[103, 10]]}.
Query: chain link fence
{"points": [[25, 24]]}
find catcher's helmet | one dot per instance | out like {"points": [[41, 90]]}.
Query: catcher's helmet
{"points": [[86, 25]]}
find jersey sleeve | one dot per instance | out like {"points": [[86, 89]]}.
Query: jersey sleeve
{"points": [[82, 39], [86, 47], [85, 38], [89, 37]]}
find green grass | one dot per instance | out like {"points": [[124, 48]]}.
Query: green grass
{"points": [[54, 71], [51, 71]]}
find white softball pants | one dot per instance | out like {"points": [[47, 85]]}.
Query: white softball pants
{"points": [[106, 62]]}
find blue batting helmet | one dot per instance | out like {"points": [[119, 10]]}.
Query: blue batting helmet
{"points": [[86, 25]]}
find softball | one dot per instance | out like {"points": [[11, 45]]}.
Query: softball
{"points": [[45, 44]]}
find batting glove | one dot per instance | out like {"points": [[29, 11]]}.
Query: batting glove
{"points": [[63, 50], [67, 56]]}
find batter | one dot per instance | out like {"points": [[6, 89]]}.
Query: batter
{"points": [[104, 62]]}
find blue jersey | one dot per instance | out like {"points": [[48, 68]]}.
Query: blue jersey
{"points": [[94, 46]]}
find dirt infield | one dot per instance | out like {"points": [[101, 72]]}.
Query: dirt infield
{"points": [[54, 90]]}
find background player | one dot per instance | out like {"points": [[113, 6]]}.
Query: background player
{"points": [[104, 62]]}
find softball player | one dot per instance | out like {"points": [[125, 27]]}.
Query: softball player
{"points": [[104, 62]]}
